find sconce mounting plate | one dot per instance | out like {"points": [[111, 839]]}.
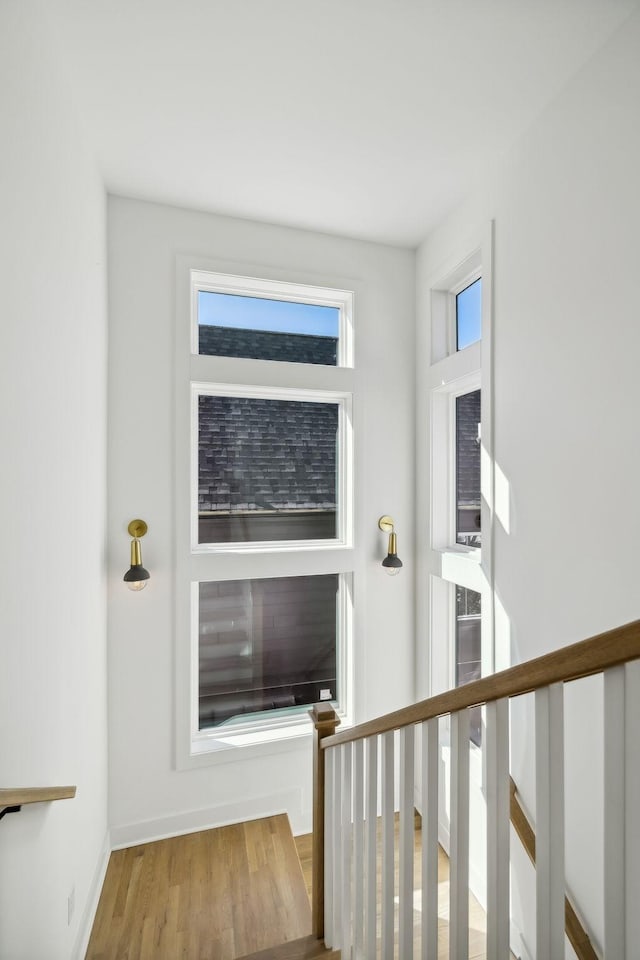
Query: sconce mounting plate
{"points": [[137, 528], [386, 524]]}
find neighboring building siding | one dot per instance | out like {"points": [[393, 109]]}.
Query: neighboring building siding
{"points": [[265, 644]]}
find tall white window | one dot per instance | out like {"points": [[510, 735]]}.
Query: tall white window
{"points": [[264, 509], [458, 548]]}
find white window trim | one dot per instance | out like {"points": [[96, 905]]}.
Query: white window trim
{"points": [[245, 561]]}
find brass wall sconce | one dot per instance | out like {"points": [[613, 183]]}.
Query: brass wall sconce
{"points": [[136, 576], [392, 562]]}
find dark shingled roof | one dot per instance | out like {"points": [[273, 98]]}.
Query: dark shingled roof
{"points": [[259, 454], [264, 345]]}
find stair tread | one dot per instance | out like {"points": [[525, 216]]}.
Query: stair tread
{"points": [[305, 948], [247, 874]]}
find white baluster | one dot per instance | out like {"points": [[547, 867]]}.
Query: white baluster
{"points": [[407, 824], [346, 852], [550, 879], [497, 783], [459, 838], [336, 886], [329, 843], [615, 920], [632, 803], [388, 866], [371, 845], [429, 797], [358, 847]]}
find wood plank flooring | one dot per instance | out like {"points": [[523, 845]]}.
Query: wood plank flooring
{"points": [[215, 895], [223, 894]]}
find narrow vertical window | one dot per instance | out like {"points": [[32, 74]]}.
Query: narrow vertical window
{"points": [[457, 415], [469, 315]]}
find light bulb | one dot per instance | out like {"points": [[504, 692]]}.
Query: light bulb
{"points": [[137, 584]]}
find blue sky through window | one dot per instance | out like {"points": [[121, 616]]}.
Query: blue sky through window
{"points": [[275, 316], [469, 314]]}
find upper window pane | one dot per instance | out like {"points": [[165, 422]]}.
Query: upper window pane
{"points": [[469, 315], [267, 469], [468, 529], [230, 325]]}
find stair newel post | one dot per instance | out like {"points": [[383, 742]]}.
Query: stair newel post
{"points": [[325, 721]]}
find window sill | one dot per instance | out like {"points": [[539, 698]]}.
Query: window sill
{"points": [[270, 546], [459, 564], [236, 746]]}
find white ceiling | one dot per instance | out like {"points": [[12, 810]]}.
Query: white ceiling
{"points": [[368, 118]]}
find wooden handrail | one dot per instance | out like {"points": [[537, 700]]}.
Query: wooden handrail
{"points": [[576, 934], [13, 798], [578, 660]]}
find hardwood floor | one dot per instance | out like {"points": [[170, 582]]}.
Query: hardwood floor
{"points": [[223, 894], [214, 895]]}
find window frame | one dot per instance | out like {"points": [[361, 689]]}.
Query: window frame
{"points": [[344, 460], [458, 287], [194, 748], [203, 741], [263, 289]]}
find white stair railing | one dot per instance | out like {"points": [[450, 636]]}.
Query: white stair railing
{"points": [[365, 865]]}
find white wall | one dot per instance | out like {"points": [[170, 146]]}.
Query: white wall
{"points": [[148, 796], [566, 205], [53, 498]]}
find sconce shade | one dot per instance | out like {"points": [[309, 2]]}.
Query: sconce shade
{"points": [[392, 564], [136, 577]]}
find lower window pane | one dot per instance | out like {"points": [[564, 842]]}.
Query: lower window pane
{"points": [[469, 649], [266, 645]]}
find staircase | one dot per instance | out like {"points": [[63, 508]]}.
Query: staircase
{"points": [[241, 888], [358, 905]]}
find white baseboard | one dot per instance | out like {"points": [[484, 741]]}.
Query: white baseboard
{"points": [[174, 825], [86, 924]]}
